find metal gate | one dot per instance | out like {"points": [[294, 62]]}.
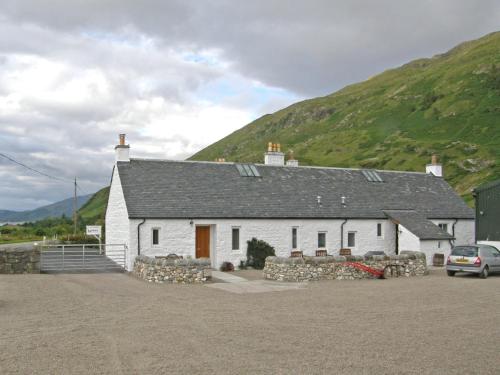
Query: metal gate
{"points": [[83, 258]]}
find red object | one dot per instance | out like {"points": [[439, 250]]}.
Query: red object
{"points": [[448, 261], [362, 267], [478, 262]]}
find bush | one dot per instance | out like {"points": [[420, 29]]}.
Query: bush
{"points": [[227, 267], [257, 252], [243, 265], [82, 239]]}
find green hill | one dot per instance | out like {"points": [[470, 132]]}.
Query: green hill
{"points": [[94, 210], [448, 104]]}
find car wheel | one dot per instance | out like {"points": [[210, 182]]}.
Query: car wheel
{"points": [[450, 273], [484, 273]]}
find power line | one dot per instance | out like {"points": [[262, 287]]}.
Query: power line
{"points": [[34, 170]]}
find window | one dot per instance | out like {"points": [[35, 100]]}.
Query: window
{"points": [[294, 238], [156, 236], [351, 239], [236, 238], [379, 230], [444, 227], [321, 240]]}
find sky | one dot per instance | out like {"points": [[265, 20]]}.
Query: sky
{"points": [[176, 76]]}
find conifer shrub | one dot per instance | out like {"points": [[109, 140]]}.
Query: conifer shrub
{"points": [[257, 252]]}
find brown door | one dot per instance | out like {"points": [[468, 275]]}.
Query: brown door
{"points": [[202, 242]]}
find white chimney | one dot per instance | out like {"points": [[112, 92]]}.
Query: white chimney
{"points": [[291, 162], [434, 168], [122, 151], [274, 156]]}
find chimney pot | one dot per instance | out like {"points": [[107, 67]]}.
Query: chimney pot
{"points": [[122, 151], [274, 156], [434, 168]]}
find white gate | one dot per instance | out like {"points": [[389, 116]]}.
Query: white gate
{"points": [[83, 258]]}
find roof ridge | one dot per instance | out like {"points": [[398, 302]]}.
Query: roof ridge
{"points": [[276, 166]]}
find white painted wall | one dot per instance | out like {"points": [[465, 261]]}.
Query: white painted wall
{"points": [[464, 230], [431, 247], [407, 240], [178, 236], [117, 226]]}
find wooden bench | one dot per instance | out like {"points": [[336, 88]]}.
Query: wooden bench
{"points": [[321, 253], [344, 252]]}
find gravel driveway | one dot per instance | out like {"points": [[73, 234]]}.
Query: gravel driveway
{"points": [[116, 324]]}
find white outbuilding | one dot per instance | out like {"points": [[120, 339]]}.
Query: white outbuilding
{"points": [[211, 209]]}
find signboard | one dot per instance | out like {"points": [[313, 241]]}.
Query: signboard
{"points": [[94, 230]]}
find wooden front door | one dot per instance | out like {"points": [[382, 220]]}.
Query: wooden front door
{"points": [[203, 242]]}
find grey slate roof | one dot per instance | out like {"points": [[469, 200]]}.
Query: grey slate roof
{"points": [[184, 189], [417, 223]]}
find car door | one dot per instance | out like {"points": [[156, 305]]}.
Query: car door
{"points": [[495, 258]]}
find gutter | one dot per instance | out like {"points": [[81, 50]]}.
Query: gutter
{"points": [[342, 234], [139, 236]]}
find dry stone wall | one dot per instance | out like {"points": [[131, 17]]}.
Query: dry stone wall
{"points": [[19, 261], [407, 264], [178, 271]]}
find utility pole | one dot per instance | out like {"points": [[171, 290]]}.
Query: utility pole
{"points": [[75, 216]]}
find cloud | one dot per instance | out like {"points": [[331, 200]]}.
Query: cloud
{"points": [[179, 75]]}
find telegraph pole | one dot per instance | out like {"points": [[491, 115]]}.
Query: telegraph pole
{"points": [[75, 216]]}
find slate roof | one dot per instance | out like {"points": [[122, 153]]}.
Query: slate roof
{"points": [[417, 223], [185, 189]]}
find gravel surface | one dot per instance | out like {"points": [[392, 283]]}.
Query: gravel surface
{"points": [[116, 324]]}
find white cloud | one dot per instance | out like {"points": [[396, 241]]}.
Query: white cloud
{"points": [[178, 75]]}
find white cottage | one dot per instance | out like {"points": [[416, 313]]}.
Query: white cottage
{"points": [[210, 209]]}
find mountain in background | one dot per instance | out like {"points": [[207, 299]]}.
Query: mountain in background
{"points": [[448, 104], [57, 209]]}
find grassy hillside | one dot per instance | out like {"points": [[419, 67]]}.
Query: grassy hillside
{"points": [[448, 104], [94, 210]]}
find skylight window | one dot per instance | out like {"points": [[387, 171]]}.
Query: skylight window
{"points": [[247, 170], [372, 176]]}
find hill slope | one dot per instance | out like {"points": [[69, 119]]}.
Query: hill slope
{"points": [[94, 210], [448, 104], [57, 209]]}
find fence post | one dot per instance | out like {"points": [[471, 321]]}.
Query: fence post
{"points": [[63, 257], [84, 256]]}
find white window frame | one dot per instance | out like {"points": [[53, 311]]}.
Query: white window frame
{"points": [[296, 238], [153, 237], [325, 233], [239, 238], [440, 225], [353, 232]]}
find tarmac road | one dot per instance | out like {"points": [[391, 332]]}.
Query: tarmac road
{"points": [[116, 324]]}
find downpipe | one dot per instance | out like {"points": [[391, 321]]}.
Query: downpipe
{"points": [[139, 236], [342, 234]]}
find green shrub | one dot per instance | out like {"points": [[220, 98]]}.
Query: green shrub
{"points": [[257, 252]]}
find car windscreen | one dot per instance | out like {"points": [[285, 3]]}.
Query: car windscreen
{"points": [[464, 251]]}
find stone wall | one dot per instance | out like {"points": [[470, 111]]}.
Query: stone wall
{"points": [[340, 268], [179, 271], [19, 261]]}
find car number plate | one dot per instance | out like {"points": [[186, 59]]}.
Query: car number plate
{"points": [[462, 261]]}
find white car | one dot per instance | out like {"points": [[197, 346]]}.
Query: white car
{"points": [[479, 259]]}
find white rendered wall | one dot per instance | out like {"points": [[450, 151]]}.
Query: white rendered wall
{"points": [[117, 222], [178, 236], [464, 230], [431, 247], [407, 240]]}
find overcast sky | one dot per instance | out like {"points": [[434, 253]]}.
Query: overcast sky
{"points": [[177, 76]]}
